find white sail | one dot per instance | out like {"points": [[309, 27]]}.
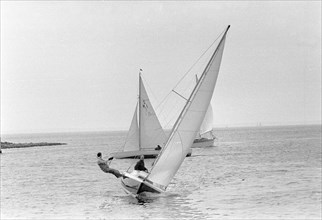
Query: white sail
{"points": [[145, 131], [188, 123], [207, 124], [151, 132], [132, 139]]}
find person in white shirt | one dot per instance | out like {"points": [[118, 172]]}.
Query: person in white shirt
{"points": [[105, 165]]}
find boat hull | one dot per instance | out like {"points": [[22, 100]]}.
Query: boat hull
{"points": [[203, 142], [137, 154], [133, 183]]}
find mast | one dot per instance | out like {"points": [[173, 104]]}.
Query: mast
{"points": [[145, 130], [173, 154], [192, 94], [140, 109], [199, 81]]}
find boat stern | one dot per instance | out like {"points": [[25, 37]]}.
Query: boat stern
{"points": [[131, 181], [135, 183]]}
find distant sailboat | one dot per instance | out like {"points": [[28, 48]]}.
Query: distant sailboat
{"points": [[182, 135], [205, 136], [145, 133]]}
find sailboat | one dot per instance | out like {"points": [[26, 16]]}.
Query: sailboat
{"points": [[205, 136], [182, 134], [146, 135]]}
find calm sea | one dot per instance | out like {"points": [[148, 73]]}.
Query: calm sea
{"points": [[250, 173]]}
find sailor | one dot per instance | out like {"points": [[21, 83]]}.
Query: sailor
{"points": [[140, 165], [105, 165], [157, 148]]}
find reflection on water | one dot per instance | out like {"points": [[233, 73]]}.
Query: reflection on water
{"points": [[251, 173]]}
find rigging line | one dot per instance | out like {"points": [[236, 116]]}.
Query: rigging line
{"points": [[192, 67], [180, 95], [163, 108], [165, 112], [160, 110], [187, 88], [192, 97], [174, 112]]}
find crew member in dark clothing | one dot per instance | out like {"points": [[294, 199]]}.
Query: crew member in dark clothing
{"points": [[157, 148], [105, 165], [140, 165]]}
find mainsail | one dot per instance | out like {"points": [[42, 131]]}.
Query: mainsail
{"points": [[145, 131], [188, 123]]}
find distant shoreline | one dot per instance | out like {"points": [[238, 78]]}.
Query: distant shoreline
{"points": [[7, 145]]}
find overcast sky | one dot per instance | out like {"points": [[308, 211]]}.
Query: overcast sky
{"points": [[73, 66]]}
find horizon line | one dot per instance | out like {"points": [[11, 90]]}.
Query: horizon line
{"points": [[244, 125]]}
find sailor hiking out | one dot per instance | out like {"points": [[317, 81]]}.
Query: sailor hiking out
{"points": [[105, 165]]}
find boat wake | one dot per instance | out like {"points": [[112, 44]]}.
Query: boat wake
{"points": [[147, 197]]}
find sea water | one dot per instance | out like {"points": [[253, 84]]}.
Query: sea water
{"points": [[250, 173]]}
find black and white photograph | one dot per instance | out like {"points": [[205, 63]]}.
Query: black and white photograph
{"points": [[160, 110]]}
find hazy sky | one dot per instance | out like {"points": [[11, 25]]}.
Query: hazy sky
{"points": [[73, 66]]}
